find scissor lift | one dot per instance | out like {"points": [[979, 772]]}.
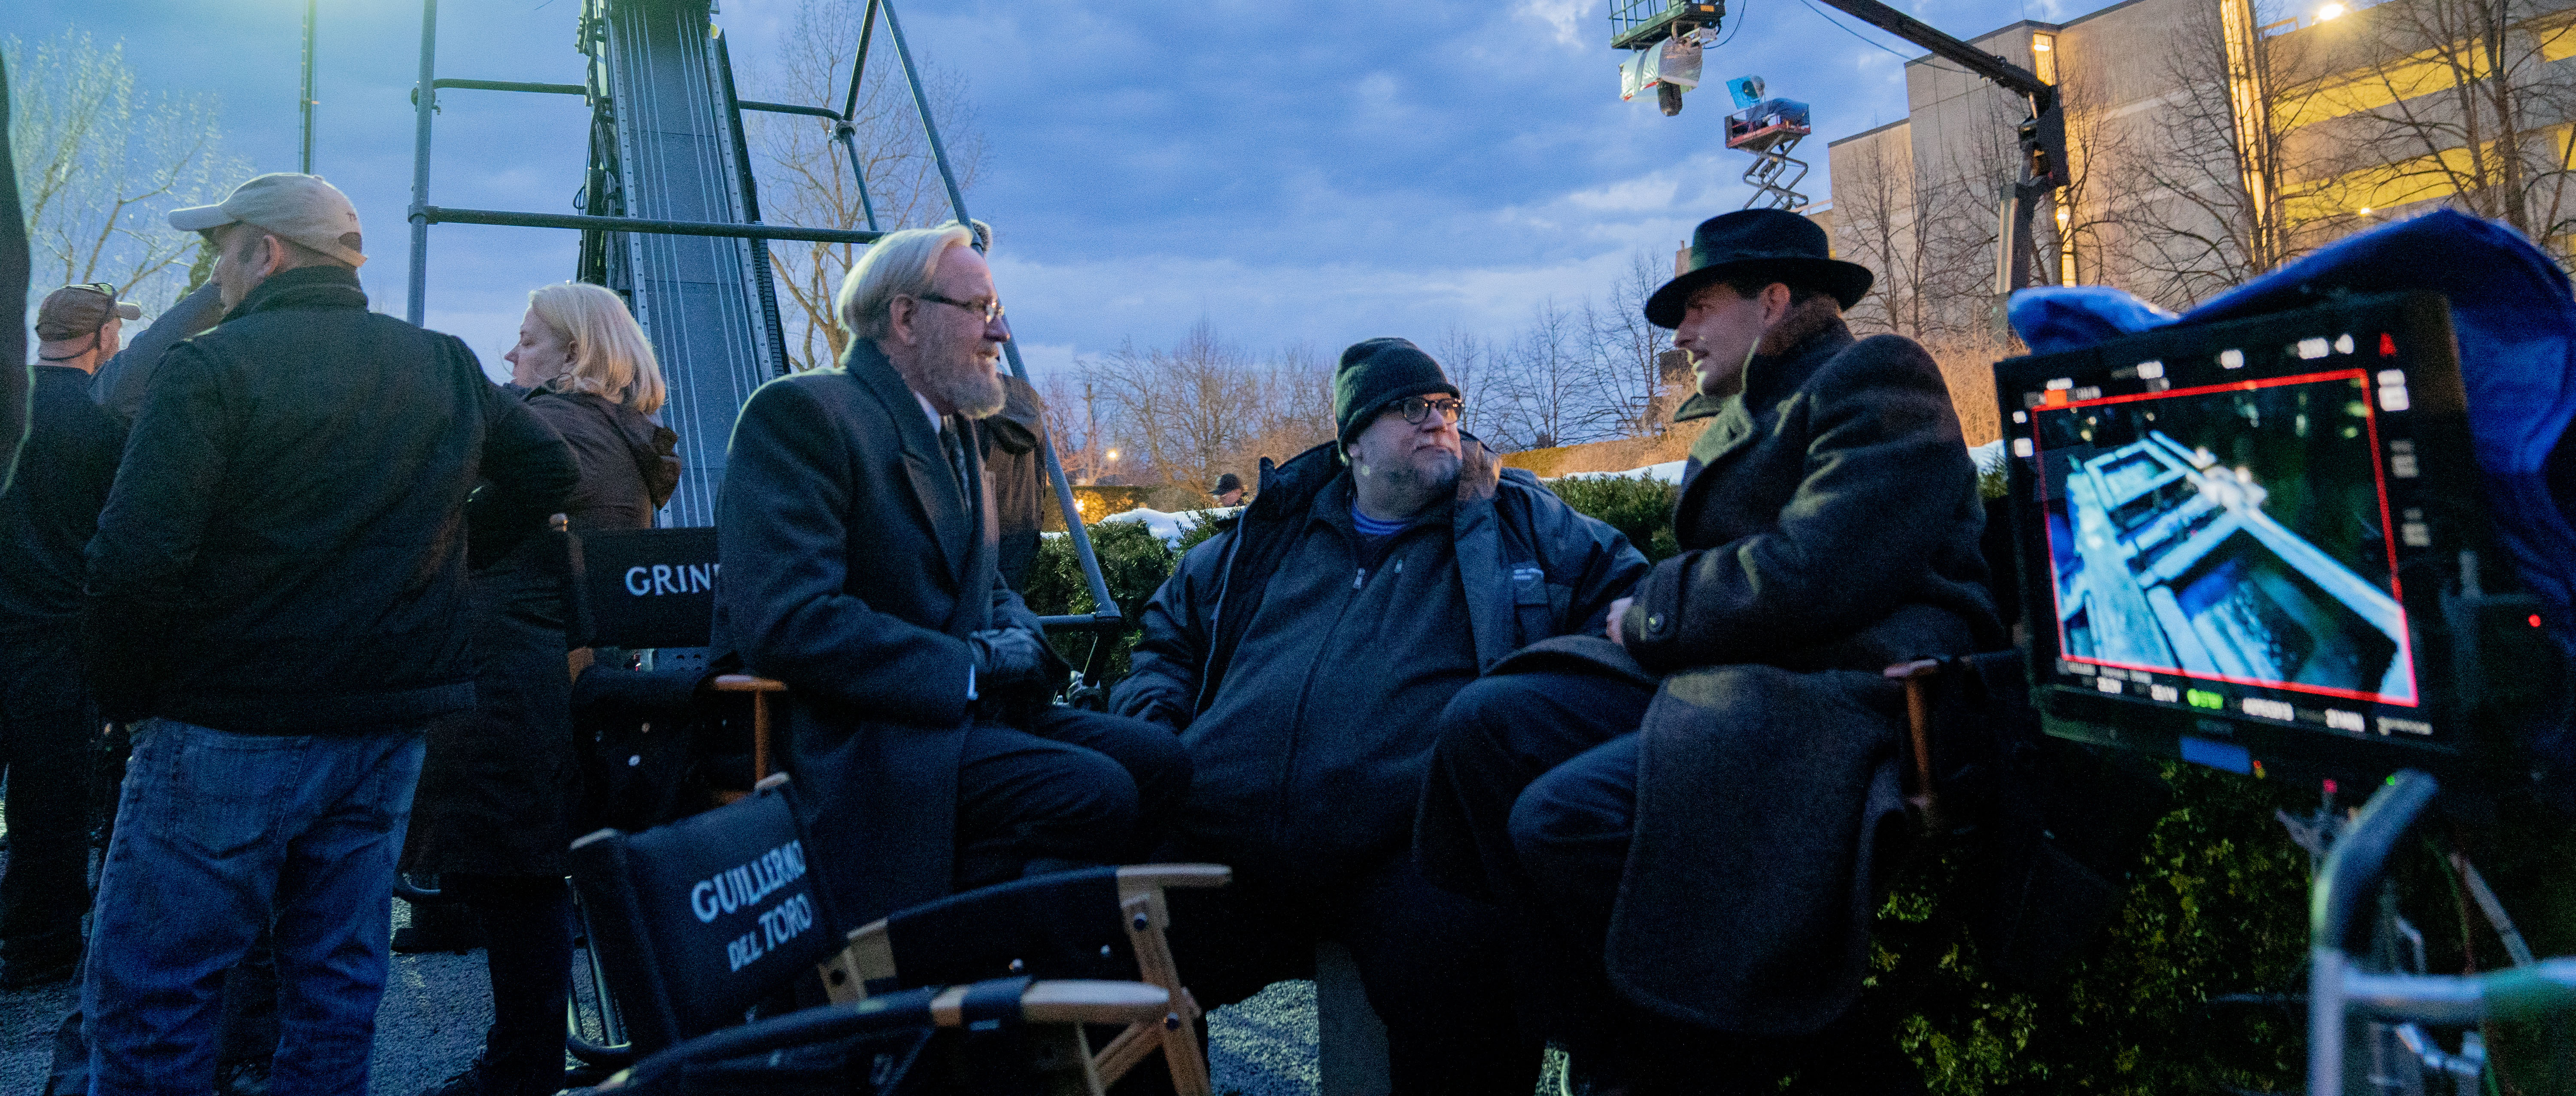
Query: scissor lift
{"points": [[671, 221], [1769, 129]]}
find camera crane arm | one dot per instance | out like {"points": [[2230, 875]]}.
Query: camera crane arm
{"points": [[2043, 134]]}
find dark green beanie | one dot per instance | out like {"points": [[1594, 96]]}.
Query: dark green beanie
{"points": [[1379, 372]]}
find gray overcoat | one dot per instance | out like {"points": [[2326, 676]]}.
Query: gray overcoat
{"points": [[1829, 520]]}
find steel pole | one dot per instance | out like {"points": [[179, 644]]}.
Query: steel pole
{"points": [[424, 103], [304, 103], [1101, 602], [846, 130]]}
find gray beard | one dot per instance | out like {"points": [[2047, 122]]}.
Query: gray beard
{"points": [[973, 388], [1401, 484]]}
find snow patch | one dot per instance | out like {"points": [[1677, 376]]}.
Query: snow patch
{"points": [[1168, 527]]}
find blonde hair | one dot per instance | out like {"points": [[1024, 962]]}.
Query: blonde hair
{"points": [[899, 264], [610, 356]]}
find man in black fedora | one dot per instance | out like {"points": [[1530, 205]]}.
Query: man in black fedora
{"points": [[1689, 807]]}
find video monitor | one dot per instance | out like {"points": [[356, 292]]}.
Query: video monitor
{"points": [[2262, 545]]}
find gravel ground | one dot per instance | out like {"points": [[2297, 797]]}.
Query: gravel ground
{"points": [[436, 1006]]}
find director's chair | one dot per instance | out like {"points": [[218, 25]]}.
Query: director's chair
{"points": [[709, 917], [1091, 924]]}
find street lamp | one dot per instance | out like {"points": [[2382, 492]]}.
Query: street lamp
{"points": [[304, 101]]}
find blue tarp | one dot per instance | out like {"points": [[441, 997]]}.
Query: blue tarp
{"points": [[2516, 326]]}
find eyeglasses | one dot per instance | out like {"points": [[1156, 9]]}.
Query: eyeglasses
{"points": [[1417, 408], [991, 307]]}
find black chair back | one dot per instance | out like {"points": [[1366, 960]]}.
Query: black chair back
{"points": [[701, 919], [646, 588]]}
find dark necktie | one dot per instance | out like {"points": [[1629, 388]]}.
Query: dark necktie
{"points": [[956, 459]]}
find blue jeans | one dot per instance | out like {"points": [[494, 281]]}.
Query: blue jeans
{"points": [[217, 835]]}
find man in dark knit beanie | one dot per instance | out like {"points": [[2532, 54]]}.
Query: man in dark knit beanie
{"points": [[1379, 372], [1369, 579]]}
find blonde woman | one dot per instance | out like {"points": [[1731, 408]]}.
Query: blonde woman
{"points": [[494, 810], [593, 377]]}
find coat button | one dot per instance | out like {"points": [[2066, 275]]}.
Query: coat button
{"points": [[1654, 622]]}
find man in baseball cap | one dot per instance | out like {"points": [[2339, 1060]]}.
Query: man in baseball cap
{"points": [[300, 220], [279, 580], [79, 325], [47, 516]]}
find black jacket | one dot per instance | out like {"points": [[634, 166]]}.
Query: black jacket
{"points": [[47, 515], [627, 462], [498, 792], [1311, 754], [1021, 493], [284, 550], [854, 565], [126, 379]]}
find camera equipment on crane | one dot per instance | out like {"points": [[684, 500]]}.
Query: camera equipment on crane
{"points": [[2262, 545]]}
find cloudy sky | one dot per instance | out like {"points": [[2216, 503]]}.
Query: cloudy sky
{"points": [[1319, 171]]}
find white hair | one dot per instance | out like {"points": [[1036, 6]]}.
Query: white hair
{"points": [[899, 264]]}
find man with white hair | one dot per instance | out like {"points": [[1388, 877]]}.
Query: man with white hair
{"points": [[859, 542]]}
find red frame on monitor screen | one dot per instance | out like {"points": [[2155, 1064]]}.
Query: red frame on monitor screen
{"points": [[2379, 480]]}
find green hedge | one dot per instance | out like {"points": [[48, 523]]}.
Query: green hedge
{"points": [[2217, 906]]}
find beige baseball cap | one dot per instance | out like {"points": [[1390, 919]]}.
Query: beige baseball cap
{"points": [[301, 208], [77, 311]]}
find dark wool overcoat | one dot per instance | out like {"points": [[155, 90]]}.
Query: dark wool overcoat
{"points": [[854, 565], [1828, 520], [498, 792]]}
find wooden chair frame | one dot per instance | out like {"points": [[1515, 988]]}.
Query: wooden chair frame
{"points": [[1922, 797], [1146, 915]]}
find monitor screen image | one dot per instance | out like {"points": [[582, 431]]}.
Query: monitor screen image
{"points": [[2231, 533]]}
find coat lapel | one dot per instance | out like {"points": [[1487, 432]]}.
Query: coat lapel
{"points": [[935, 494]]}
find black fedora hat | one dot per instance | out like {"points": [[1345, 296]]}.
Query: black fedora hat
{"points": [[1772, 243]]}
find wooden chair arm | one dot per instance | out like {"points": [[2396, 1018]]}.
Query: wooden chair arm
{"points": [[1135, 879], [1920, 793], [1069, 1002]]}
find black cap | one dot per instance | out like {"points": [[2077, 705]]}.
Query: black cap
{"points": [[1227, 482], [1767, 243], [1379, 372]]}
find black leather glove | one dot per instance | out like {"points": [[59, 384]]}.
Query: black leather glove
{"points": [[1010, 664]]}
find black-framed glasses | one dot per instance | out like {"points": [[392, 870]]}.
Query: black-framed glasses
{"points": [[990, 307], [1417, 408]]}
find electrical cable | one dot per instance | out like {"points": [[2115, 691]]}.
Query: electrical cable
{"points": [[1739, 26], [1820, 13]]}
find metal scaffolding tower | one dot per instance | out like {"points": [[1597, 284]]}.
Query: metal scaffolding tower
{"points": [[670, 219]]}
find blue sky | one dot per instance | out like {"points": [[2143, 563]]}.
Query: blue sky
{"points": [[1318, 171]]}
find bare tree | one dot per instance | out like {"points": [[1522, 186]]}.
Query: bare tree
{"points": [[1470, 360], [100, 162], [2214, 167], [806, 177], [1545, 384], [2457, 100], [1188, 407], [1876, 212], [1631, 396], [1291, 410]]}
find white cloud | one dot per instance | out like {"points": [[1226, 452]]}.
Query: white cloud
{"points": [[1562, 17]]}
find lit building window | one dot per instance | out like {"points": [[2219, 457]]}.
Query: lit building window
{"points": [[2065, 244], [2043, 56]]}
